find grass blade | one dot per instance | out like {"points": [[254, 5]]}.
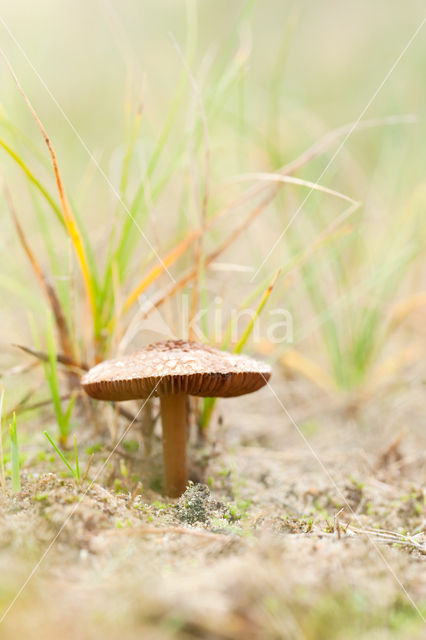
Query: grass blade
{"points": [[46, 287], [14, 455], [77, 367], [3, 478], [277, 177], [242, 341], [77, 466], [34, 180], [67, 214], [158, 269], [209, 403], [60, 454]]}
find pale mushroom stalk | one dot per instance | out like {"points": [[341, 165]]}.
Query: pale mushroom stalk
{"points": [[174, 421]]}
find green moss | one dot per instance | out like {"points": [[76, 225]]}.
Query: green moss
{"points": [[94, 448], [131, 445], [351, 615]]}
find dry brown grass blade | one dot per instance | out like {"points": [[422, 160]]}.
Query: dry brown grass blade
{"points": [[188, 277], [180, 249], [47, 288], [327, 235], [23, 406], [76, 367]]}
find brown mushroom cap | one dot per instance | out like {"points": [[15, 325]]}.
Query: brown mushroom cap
{"points": [[175, 367]]}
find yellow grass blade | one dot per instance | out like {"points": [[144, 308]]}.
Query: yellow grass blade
{"points": [[390, 367], [69, 219], [211, 257], [298, 363], [404, 308], [33, 179], [159, 269]]}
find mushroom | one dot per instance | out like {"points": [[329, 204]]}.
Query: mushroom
{"points": [[174, 370]]}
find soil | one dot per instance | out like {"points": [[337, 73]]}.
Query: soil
{"points": [[311, 529]]}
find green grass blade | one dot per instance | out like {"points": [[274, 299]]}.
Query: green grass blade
{"points": [[34, 180], [77, 466], [209, 403], [51, 374], [242, 341], [60, 454], [14, 456], [3, 477]]}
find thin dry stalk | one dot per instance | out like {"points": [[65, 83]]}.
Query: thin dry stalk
{"points": [[46, 287], [76, 367], [89, 464], [206, 190], [382, 536], [23, 406], [136, 491]]}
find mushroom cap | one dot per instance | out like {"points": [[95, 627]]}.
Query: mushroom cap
{"points": [[175, 367]]}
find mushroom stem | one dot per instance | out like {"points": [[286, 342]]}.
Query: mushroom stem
{"points": [[174, 421]]}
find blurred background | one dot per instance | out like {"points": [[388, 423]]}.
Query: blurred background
{"points": [[172, 123], [202, 92]]}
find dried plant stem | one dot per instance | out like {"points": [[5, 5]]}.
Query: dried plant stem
{"points": [[61, 323]]}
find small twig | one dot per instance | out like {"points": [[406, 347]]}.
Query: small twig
{"points": [[392, 452], [122, 453], [136, 492], [86, 473], [45, 285], [337, 523]]}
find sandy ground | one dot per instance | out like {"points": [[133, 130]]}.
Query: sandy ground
{"points": [[292, 532]]}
